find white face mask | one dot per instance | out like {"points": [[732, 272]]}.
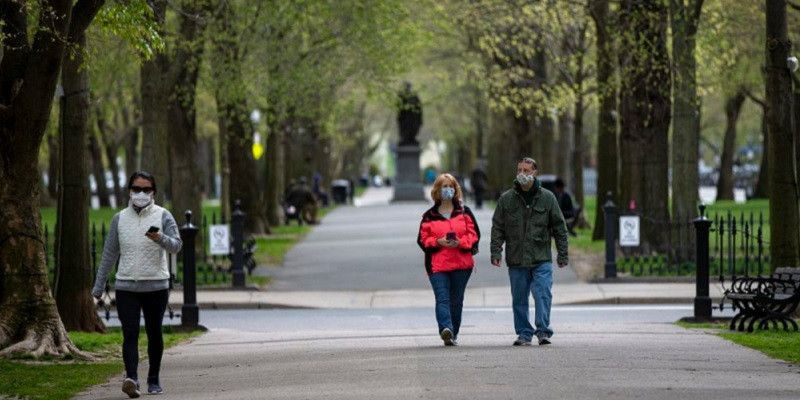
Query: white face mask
{"points": [[524, 179], [141, 200]]}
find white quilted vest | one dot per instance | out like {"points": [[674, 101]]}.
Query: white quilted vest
{"points": [[140, 259]]}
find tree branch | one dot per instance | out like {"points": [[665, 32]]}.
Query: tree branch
{"points": [[83, 13], [792, 4], [755, 99]]}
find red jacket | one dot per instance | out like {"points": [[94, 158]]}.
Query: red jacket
{"points": [[434, 226]]}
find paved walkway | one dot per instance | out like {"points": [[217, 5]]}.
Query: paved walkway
{"points": [[586, 361]]}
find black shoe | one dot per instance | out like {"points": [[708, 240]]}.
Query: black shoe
{"points": [[131, 388], [522, 342], [154, 388], [447, 337], [543, 340]]}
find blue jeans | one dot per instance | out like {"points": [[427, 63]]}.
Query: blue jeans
{"points": [[449, 287], [538, 281]]}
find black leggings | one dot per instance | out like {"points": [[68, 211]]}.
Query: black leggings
{"points": [[130, 305]]}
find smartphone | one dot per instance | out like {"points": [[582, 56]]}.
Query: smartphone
{"points": [[153, 229], [451, 236]]}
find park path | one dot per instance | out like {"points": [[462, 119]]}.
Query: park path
{"points": [[373, 247], [597, 353]]}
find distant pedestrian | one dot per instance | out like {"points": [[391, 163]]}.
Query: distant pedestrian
{"points": [[525, 221], [302, 199], [140, 237], [449, 235], [566, 205], [479, 182]]}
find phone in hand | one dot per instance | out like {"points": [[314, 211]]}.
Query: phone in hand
{"points": [[153, 229], [451, 236]]}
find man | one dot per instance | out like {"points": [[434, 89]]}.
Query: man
{"points": [[525, 220], [304, 202], [479, 182], [566, 205]]}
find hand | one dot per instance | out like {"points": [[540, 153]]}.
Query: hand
{"points": [[496, 262], [454, 243], [154, 236], [443, 242], [562, 264]]}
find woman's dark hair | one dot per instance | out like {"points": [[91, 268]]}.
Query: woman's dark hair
{"points": [[143, 175]]}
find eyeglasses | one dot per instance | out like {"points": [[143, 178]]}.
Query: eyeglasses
{"points": [[139, 189]]}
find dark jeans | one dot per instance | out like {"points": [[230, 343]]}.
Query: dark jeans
{"points": [[130, 305], [449, 287]]}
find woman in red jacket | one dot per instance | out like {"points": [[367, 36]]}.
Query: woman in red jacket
{"points": [[449, 235]]}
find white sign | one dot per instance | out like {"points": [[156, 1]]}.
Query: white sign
{"points": [[219, 239], [629, 230]]}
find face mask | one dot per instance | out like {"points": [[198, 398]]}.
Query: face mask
{"points": [[448, 193], [141, 200], [524, 179]]}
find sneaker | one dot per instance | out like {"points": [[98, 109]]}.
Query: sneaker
{"points": [[543, 340], [154, 388], [131, 388], [447, 336], [522, 342]]}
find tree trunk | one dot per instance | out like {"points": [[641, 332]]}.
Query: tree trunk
{"points": [[111, 155], [646, 113], [577, 152], [99, 171], [607, 154], [686, 123], [762, 186], [733, 106], [233, 116], [29, 320], [565, 146], [783, 201], [74, 273], [182, 125], [275, 174], [155, 90]]}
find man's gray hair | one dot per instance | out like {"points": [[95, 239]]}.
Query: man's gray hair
{"points": [[528, 160]]}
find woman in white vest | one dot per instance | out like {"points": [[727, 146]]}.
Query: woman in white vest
{"points": [[140, 237]]}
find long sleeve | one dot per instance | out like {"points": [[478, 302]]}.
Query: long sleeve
{"points": [[470, 236], [498, 231], [426, 239], [170, 235], [559, 229], [110, 257]]}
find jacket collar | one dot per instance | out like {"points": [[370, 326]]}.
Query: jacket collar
{"points": [[144, 211], [434, 213]]}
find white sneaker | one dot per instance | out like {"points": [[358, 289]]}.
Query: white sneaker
{"points": [[131, 388]]}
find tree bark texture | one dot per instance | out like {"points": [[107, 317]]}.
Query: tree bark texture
{"points": [[29, 320], [275, 175], [733, 107], [578, 152], [685, 17], [233, 117], [783, 199], [645, 106], [565, 138], [607, 145], [74, 273], [52, 165]]}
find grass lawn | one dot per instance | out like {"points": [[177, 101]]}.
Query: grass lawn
{"points": [[62, 379], [774, 343]]}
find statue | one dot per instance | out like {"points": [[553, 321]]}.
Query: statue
{"points": [[409, 116]]}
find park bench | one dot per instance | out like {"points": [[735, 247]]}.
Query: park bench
{"points": [[761, 300]]}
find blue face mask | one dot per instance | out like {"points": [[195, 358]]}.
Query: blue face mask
{"points": [[448, 193]]}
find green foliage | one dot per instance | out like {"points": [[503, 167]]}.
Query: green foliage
{"points": [[134, 23]]}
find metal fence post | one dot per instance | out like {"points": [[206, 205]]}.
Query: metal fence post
{"points": [[237, 225], [190, 312], [702, 301], [610, 215]]}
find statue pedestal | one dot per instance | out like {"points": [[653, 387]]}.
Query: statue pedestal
{"points": [[408, 182]]}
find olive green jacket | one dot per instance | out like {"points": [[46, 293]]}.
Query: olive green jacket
{"points": [[527, 231]]}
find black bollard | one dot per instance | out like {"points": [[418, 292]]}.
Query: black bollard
{"points": [[190, 312], [702, 301], [611, 217], [237, 225]]}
